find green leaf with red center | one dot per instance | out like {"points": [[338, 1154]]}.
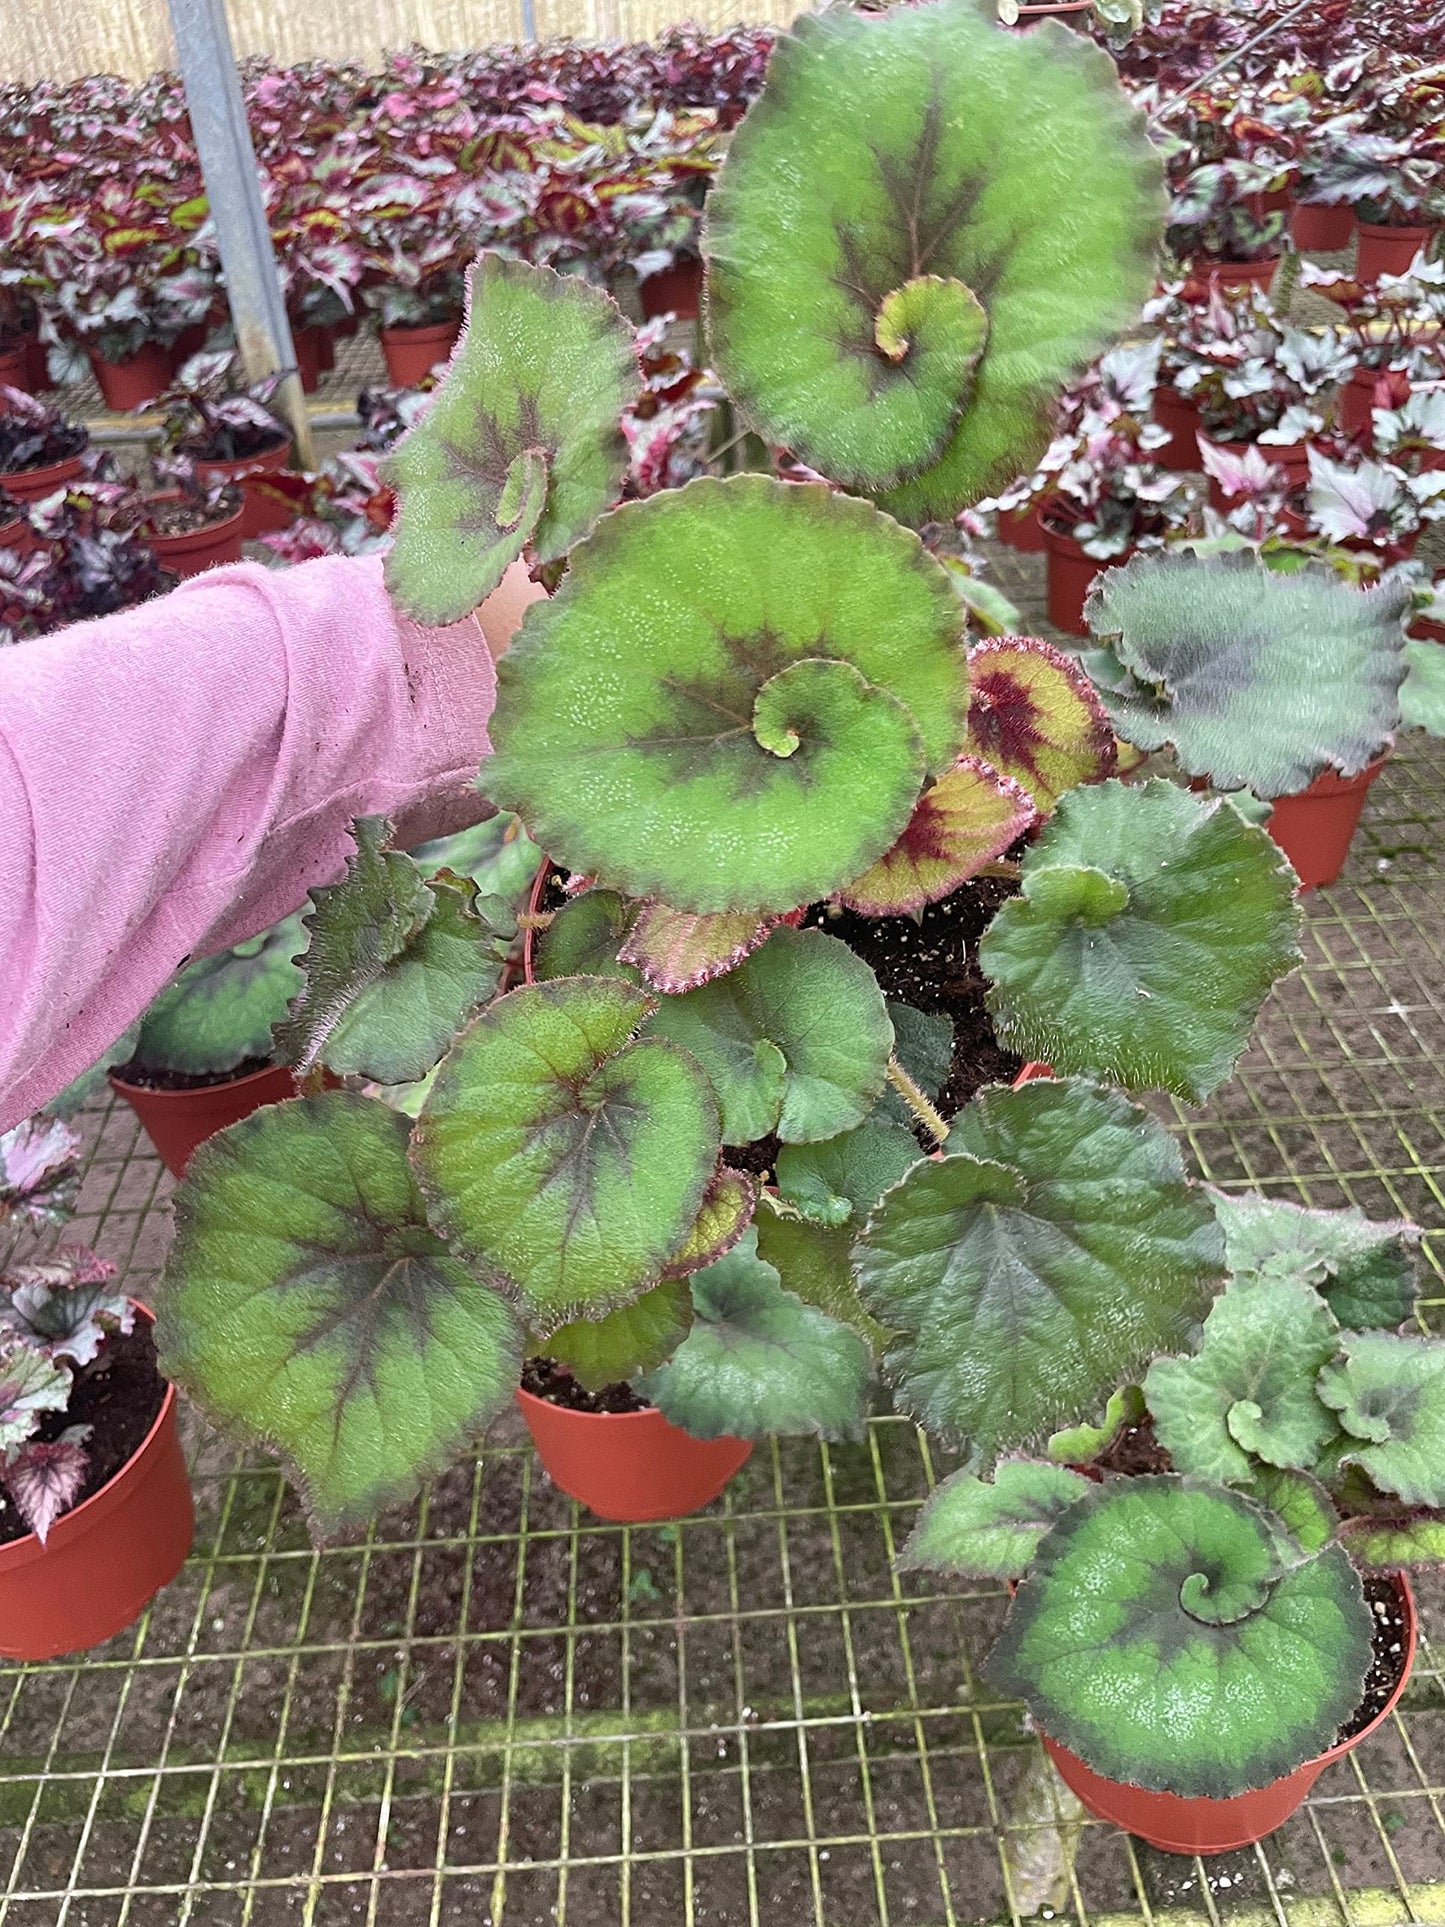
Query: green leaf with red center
{"points": [[1034, 715], [521, 444], [969, 817], [727, 1211]]}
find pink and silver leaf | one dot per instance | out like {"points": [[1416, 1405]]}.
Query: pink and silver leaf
{"points": [[44, 1477]]}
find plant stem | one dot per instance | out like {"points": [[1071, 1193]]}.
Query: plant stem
{"points": [[1002, 868], [535, 919], [917, 1102]]}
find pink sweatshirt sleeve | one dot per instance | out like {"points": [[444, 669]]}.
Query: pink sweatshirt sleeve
{"points": [[176, 777]]}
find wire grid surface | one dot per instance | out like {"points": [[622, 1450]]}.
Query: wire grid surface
{"points": [[497, 1710]]}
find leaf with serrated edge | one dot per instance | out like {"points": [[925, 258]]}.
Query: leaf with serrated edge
{"points": [[1250, 1392], [522, 441], [795, 1040], [677, 950], [889, 166], [690, 721], [1258, 680], [1039, 1264], [635, 1338], [44, 1477], [845, 1176], [966, 819], [30, 1384], [1412, 1540], [727, 1211], [814, 1262], [498, 855], [1035, 716], [758, 1362], [1150, 929], [561, 1155], [1365, 1271], [1389, 1394], [64, 1306], [307, 1305], [991, 1530], [1296, 1498], [584, 937], [220, 1010], [1170, 1638]]}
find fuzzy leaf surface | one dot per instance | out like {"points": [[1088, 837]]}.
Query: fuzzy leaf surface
{"points": [[1388, 1544], [1299, 1500], [964, 820], [1171, 1635], [727, 1210], [584, 938], [923, 1045], [1149, 931], [990, 1529], [759, 1362], [220, 1010], [1365, 1270], [1422, 694], [1035, 716], [522, 442], [1259, 680], [687, 719], [843, 1177], [560, 1155], [1389, 1394], [44, 1477], [1083, 1443], [795, 1040], [676, 950], [883, 193], [1250, 1392], [1037, 1266], [308, 1305], [815, 1263], [633, 1339]]}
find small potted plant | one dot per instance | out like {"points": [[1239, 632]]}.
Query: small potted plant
{"points": [[1217, 233], [410, 235], [1323, 225], [1395, 328], [1239, 1520], [79, 559], [1396, 186], [40, 449], [1378, 508], [229, 435], [191, 524]]}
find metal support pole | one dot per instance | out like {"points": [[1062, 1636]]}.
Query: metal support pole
{"points": [[233, 187]]}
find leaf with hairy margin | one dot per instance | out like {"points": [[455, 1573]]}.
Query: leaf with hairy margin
{"points": [[1389, 1394], [563, 1156], [1035, 716], [758, 1362], [307, 1305], [221, 1010], [1388, 1543], [687, 720], [584, 938], [676, 950], [1366, 1271], [393, 966], [497, 854], [1258, 680], [1296, 1498], [1249, 1393], [991, 1529], [522, 441], [30, 1385], [795, 1040], [963, 821], [885, 193], [1150, 928], [1422, 694], [1054, 1249], [844, 1177], [727, 1211], [633, 1339], [1174, 1636], [815, 1263]]}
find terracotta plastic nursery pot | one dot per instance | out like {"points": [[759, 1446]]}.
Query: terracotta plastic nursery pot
{"points": [[1232, 274], [104, 1562], [412, 353], [177, 1121], [1071, 576], [1321, 229], [630, 1466], [199, 549], [1180, 454], [1179, 1825], [14, 367], [1315, 827], [1387, 250], [15, 534], [677, 290], [1021, 529], [33, 484], [261, 512], [131, 383], [307, 343]]}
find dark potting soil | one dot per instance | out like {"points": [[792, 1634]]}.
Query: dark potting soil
{"points": [[118, 1398], [1135, 1450], [183, 518], [546, 1379], [1388, 1659], [933, 965], [758, 1157], [151, 1079]]}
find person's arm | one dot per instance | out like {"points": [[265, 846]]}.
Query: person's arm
{"points": [[176, 777]]}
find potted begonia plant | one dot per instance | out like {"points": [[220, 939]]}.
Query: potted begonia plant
{"points": [[1211, 1602], [41, 450], [79, 558], [1377, 507], [229, 434], [1216, 231], [1395, 328], [1396, 185], [191, 523]]}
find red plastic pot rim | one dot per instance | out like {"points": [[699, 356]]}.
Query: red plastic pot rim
{"points": [[75, 1523], [29, 484], [1389, 230], [421, 332], [614, 1419], [199, 1090], [204, 535], [1330, 782]]}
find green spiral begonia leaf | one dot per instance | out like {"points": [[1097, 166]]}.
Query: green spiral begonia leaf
{"points": [[522, 443], [308, 1305], [1052, 1251], [1149, 931], [1364, 1270], [1175, 1636], [901, 274], [1389, 1394], [562, 1156], [990, 1529], [220, 1010], [795, 1040], [733, 699]]}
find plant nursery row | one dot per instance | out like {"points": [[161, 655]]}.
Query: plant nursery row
{"points": [[782, 1050]]}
